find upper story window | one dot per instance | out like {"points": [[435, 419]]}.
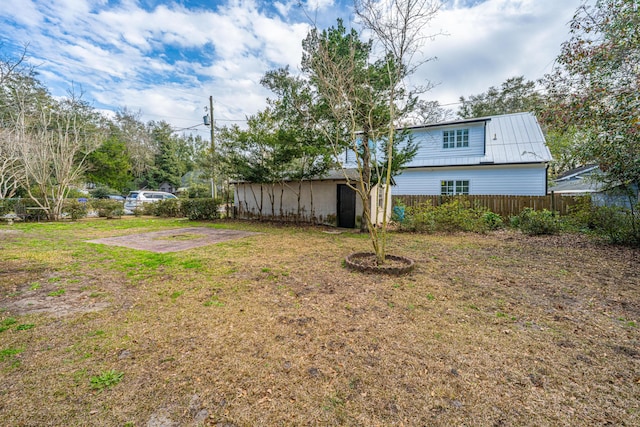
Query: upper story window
{"points": [[456, 138]]}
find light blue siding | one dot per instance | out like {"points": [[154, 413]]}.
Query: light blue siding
{"points": [[517, 180], [431, 149], [507, 154]]}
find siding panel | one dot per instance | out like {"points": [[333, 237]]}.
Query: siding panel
{"points": [[518, 180], [431, 152]]}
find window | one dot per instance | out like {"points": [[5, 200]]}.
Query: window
{"points": [[453, 188], [456, 138]]}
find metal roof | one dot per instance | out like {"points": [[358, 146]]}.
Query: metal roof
{"points": [[578, 180], [509, 139]]}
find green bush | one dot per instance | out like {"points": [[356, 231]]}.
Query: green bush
{"points": [[419, 218], [579, 215], [74, 193], [147, 209], [616, 224], [454, 215], [74, 208], [198, 191], [108, 208], [7, 206], [194, 209], [200, 209], [534, 222], [170, 208], [492, 220]]}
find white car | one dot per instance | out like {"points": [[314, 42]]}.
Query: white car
{"points": [[136, 199]]}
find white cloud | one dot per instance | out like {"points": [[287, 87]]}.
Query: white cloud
{"points": [[29, 14], [319, 5], [284, 8], [166, 61], [112, 50], [492, 41]]}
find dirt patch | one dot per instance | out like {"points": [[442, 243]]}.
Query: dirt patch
{"points": [[174, 240], [45, 292], [56, 305]]}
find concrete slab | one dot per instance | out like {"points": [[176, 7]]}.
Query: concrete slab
{"points": [[174, 240]]}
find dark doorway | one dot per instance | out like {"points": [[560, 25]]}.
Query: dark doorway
{"points": [[346, 206]]}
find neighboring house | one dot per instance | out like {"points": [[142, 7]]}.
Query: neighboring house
{"points": [[496, 155], [167, 188], [326, 200], [584, 181]]}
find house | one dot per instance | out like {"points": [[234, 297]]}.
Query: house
{"points": [[167, 187], [496, 155], [324, 200], [584, 181]]}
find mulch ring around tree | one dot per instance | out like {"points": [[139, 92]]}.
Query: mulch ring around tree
{"points": [[366, 262], [174, 240]]}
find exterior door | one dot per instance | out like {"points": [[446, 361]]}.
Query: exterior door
{"points": [[346, 206]]}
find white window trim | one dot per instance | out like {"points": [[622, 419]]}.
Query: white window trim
{"points": [[455, 185], [455, 138]]}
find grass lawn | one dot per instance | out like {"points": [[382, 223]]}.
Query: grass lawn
{"points": [[498, 329]]}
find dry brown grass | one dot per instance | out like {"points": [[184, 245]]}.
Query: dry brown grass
{"points": [[498, 329]]}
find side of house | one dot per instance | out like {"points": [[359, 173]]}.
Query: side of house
{"points": [[584, 181], [328, 200], [497, 155]]}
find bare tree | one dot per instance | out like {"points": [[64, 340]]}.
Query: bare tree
{"points": [[10, 170], [137, 137], [11, 66], [11, 70], [54, 145], [427, 112]]}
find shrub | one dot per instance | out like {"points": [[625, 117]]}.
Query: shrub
{"points": [[419, 218], [74, 208], [7, 206], [492, 220], [170, 208], [147, 209], [454, 215], [74, 193], [534, 222], [579, 214], [108, 208], [200, 209], [196, 191], [616, 224]]}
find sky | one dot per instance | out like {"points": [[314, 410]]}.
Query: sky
{"points": [[165, 58]]}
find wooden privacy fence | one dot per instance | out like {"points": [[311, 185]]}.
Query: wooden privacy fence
{"points": [[502, 205]]}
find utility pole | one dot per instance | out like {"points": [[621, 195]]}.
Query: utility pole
{"points": [[214, 191]]}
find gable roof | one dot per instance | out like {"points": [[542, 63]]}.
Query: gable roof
{"points": [[578, 172], [578, 181], [509, 139]]}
